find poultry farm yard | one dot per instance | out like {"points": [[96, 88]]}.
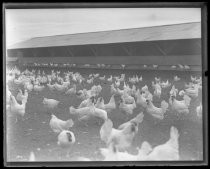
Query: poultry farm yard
{"points": [[34, 133]]}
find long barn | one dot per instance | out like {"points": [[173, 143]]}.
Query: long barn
{"points": [[164, 46]]}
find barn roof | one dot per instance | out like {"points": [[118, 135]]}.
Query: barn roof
{"points": [[155, 33]]}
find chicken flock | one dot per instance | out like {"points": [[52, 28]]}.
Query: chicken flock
{"points": [[92, 105]]}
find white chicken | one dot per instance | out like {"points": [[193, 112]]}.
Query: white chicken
{"points": [[168, 151], [192, 92], [109, 79], [193, 79], [72, 90], [113, 90], [58, 125], [60, 88], [128, 99], [165, 84], [173, 91], [157, 91], [20, 95], [117, 83], [155, 111], [111, 105], [28, 86], [15, 107], [126, 108], [50, 103], [123, 136], [176, 78], [102, 78], [140, 100], [38, 88], [157, 80], [83, 113], [147, 95], [144, 88], [180, 106], [87, 102], [66, 138]]}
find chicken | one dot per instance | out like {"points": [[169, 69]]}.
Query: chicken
{"points": [[192, 92], [86, 112], [144, 88], [155, 111], [117, 83], [120, 92], [146, 94], [102, 78], [18, 109], [123, 136], [176, 78], [165, 84], [66, 138], [108, 107], [50, 86], [28, 86], [100, 113], [109, 79], [128, 99], [50, 103], [58, 125], [38, 88], [193, 79], [89, 81], [21, 97], [100, 103], [140, 100], [72, 90], [83, 94], [17, 81], [87, 102], [126, 108], [111, 105], [157, 91], [60, 88], [113, 89], [83, 113], [168, 151], [181, 93], [157, 79], [173, 91], [180, 106]]}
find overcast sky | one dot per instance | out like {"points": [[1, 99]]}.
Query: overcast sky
{"points": [[23, 24]]}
